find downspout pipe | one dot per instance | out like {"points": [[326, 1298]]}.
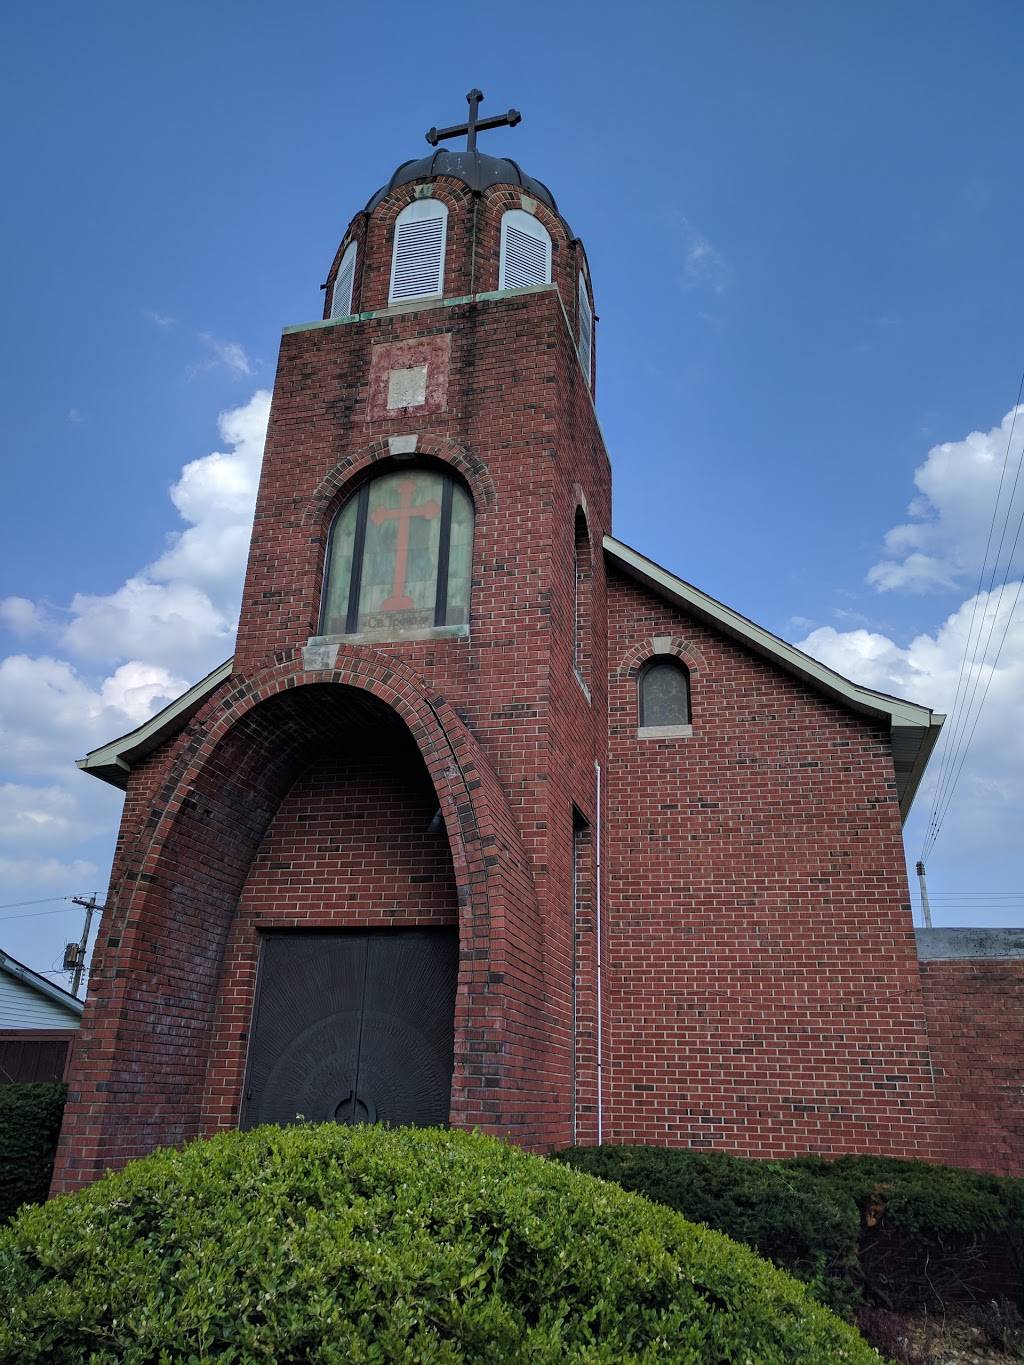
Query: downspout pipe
{"points": [[598, 980]]}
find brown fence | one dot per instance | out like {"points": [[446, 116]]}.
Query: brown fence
{"points": [[34, 1054]]}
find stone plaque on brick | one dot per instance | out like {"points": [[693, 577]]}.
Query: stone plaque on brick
{"points": [[407, 388], [409, 377]]}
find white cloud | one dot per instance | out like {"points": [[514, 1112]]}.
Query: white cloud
{"points": [[113, 659], [22, 617], [703, 265], [228, 355], [159, 319], [986, 813], [944, 542], [180, 611], [50, 715], [48, 874], [34, 816]]}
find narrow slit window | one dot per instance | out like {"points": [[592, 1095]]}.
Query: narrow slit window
{"points": [[586, 336], [582, 579], [664, 694], [417, 260], [341, 298], [525, 257]]}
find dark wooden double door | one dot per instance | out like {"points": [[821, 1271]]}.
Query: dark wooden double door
{"points": [[353, 1027]]}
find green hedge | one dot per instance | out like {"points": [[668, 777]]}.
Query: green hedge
{"points": [[930, 1235], [903, 1234], [30, 1118], [355, 1244], [784, 1214]]}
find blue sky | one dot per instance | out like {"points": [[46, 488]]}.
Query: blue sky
{"points": [[803, 225]]}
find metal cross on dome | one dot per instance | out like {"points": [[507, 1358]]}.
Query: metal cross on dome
{"points": [[474, 125]]}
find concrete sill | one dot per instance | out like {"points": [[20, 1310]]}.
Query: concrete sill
{"points": [[664, 732], [388, 637], [583, 686]]}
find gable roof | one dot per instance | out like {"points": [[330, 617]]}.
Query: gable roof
{"points": [[113, 762], [56, 995], [914, 729]]}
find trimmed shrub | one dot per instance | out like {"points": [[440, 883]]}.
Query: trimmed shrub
{"points": [[931, 1236], [901, 1234], [30, 1117], [783, 1213], [339, 1244]]}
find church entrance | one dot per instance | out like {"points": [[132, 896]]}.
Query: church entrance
{"points": [[353, 1027]]}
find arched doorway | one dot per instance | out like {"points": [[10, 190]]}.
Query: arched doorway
{"points": [[343, 949], [167, 1031]]}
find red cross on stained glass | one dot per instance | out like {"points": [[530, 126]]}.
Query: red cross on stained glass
{"points": [[403, 514]]}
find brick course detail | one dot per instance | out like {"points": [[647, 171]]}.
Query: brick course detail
{"points": [[975, 1010]]}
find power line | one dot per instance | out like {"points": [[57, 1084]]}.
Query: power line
{"points": [[988, 684], [43, 900], [950, 735], [958, 745], [34, 914]]}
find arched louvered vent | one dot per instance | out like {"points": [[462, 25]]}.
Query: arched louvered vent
{"points": [[341, 299], [525, 251], [417, 263], [586, 342]]}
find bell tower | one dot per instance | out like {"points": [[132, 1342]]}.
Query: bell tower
{"points": [[397, 778]]}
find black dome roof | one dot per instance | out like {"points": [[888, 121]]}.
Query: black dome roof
{"points": [[475, 169]]}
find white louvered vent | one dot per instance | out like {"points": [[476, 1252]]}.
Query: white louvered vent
{"points": [[341, 299], [586, 331], [417, 263], [525, 251]]}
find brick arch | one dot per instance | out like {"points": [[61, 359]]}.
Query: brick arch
{"points": [[444, 187], [183, 875], [348, 473], [676, 646]]}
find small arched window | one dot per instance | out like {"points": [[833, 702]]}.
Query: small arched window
{"points": [[341, 298], [417, 261], [525, 256], [583, 582], [586, 330], [664, 694], [400, 556]]}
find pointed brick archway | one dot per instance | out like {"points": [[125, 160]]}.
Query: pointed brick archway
{"points": [[152, 1068]]}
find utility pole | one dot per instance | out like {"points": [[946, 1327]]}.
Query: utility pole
{"points": [[926, 909], [79, 960]]}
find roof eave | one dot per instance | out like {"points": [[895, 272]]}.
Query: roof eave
{"points": [[904, 718], [113, 762], [40, 984]]}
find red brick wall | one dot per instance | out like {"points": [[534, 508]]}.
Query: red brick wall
{"points": [[975, 1010], [762, 987], [507, 733]]}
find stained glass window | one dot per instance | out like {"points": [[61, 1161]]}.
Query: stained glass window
{"points": [[664, 693], [400, 556]]}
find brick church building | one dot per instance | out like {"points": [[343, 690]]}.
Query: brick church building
{"points": [[490, 820]]}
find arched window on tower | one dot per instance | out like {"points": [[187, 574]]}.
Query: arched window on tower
{"points": [[417, 261], [525, 256], [664, 695], [341, 297], [586, 330], [400, 556], [582, 586]]}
